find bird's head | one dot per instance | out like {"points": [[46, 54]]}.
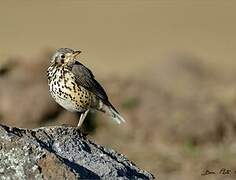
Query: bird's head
{"points": [[64, 56]]}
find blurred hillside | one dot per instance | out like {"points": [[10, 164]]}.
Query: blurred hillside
{"points": [[168, 66]]}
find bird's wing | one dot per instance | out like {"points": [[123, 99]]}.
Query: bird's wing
{"points": [[84, 77]]}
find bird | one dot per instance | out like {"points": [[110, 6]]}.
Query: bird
{"points": [[74, 87]]}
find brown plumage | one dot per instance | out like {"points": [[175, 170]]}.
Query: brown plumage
{"points": [[74, 87]]}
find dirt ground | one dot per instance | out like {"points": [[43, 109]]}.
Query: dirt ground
{"points": [[168, 66]]}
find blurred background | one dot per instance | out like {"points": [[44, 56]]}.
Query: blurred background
{"points": [[168, 67]]}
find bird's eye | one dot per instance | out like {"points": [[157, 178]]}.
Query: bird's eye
{"points": [[62, 56]]}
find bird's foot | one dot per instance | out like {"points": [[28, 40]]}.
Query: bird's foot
{"points": [[81, 130]]}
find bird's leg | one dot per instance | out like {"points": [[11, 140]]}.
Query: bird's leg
{"points": [[82, 118]]}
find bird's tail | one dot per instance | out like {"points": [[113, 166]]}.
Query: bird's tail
{"points": [[113, 113]]}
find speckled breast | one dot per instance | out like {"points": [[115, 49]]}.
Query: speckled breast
{"points": [[66, 91]]}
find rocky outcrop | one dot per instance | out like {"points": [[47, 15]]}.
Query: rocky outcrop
{"points": [[60, 153]]}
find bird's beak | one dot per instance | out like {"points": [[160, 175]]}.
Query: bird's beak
{"points": [[76, 54]]}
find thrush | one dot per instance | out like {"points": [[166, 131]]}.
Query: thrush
{"points": [[73, 86]]}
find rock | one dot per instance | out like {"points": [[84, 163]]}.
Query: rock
{"points": [[60, 153]]}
